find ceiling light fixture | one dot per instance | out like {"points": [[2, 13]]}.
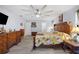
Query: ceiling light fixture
{"points": [[37, 15]]}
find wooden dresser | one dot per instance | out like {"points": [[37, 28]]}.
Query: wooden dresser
{"points": [[19, 35], [22, 32], [7, 40], [11, 39], [3, 43]]}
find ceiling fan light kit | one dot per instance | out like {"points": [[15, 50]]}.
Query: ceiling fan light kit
{"points": [[37, 16]]}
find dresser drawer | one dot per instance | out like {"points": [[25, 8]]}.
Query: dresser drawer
{"points": [[3, 43], [11, 39]]}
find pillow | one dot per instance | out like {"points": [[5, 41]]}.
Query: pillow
{"points": [[63, 35], [76, 38], [67, 36]]}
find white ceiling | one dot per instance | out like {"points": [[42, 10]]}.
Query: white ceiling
{"points": [[27, 12]]}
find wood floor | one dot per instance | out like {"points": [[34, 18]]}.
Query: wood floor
{"points": [[25, 47]]}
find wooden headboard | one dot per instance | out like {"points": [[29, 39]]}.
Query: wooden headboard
{"points": [[63, 27]]}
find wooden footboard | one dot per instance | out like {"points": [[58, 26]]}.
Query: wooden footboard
{"points": [[47, 46], [33, 34]]}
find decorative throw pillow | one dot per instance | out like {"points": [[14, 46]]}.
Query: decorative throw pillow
{"points": [[76, 38], [67, 36]]}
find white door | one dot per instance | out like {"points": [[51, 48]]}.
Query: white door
{"points": [[28, 28], [44, 27]]}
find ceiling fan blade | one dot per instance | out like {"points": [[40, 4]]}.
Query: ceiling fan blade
{"points": [[50, 11], [43, 7], [32, 8], [26, 10], [48, 15], [29, 13], [51, 15]]}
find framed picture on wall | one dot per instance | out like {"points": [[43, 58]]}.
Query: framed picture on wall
{"points": [[61, 18], [33, 24]]}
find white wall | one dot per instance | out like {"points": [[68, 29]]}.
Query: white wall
{"points": [[44, 24], [71, 15], [29, 29], [13, 20]]}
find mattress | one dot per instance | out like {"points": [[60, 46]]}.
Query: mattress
{"points": [[50, 38]]}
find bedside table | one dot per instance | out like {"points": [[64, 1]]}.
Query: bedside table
{"points": [[72, 45]]}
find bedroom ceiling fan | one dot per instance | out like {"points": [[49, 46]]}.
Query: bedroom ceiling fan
{"points": [[39, 12]]}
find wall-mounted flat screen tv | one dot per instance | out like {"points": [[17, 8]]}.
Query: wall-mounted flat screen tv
{"points": [[3, 18]]}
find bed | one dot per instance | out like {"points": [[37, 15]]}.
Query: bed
{"points": [[62, 31]]}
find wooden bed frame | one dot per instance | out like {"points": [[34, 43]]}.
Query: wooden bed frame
{"points": [[62, 27]]}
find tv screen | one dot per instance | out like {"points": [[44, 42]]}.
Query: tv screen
{"points": [[3, 18]]}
